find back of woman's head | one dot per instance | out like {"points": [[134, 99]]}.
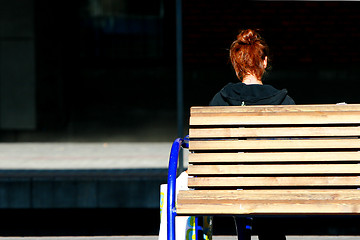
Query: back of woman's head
{"points": [[247, 54]]}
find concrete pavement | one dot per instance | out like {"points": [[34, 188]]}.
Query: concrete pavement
{"points": [[102, 155]]}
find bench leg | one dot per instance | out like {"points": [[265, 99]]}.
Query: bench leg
{"points": [[196, 228], [243, 227]]}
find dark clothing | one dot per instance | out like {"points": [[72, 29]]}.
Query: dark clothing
{"points": [[238, 94]]}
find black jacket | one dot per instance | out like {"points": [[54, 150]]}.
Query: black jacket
{"points": [[238, 94]]}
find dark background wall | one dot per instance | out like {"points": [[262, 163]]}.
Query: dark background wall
{"points": [[102, 68], [17, 66], [313, 46], [94, 70]]}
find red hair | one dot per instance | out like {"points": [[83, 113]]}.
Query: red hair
{"points": [[247, 54]]}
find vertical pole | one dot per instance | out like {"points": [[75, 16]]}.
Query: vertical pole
{"points": [[196, 228], [179, 77]]}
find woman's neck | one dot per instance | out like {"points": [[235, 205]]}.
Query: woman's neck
{"points": [[251, 79]]}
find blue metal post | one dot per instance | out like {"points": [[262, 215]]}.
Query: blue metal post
{"points": [[171, 191], [196, 228]]}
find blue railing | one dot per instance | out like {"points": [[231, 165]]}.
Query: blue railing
{"points": [[171, 191]]}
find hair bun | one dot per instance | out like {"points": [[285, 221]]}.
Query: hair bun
{"points": [[248, 36]]}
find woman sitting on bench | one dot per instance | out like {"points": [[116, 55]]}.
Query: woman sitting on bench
{"points": [[250, 59]]}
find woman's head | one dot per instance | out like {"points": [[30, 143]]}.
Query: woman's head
{"points": [[249, 54]]}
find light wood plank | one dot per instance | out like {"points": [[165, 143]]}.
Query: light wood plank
{"points": [[274, 194], [273, 132], [240, 182], [279, 114], [275, 108], [300, 169], [269, 208], [269, 202], [259, 118], [275, 144], [245, 157]]}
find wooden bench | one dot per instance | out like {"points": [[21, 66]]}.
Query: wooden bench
{"points": [[270, 160]]}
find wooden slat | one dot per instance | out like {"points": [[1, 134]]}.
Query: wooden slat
{"points": [[275, 144], [245, 195], [273, 132], [300, 169], [270, 208], [322, 114], [269, 202], [275, 108], [292, 118], [273, 157], [240, 182]]}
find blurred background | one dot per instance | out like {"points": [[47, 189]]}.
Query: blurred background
{"points": [[105, 72]]}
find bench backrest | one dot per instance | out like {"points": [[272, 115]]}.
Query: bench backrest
{"points": [[307, 155]]}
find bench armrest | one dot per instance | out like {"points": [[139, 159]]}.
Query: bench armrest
{"points": [[171, 188]]}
